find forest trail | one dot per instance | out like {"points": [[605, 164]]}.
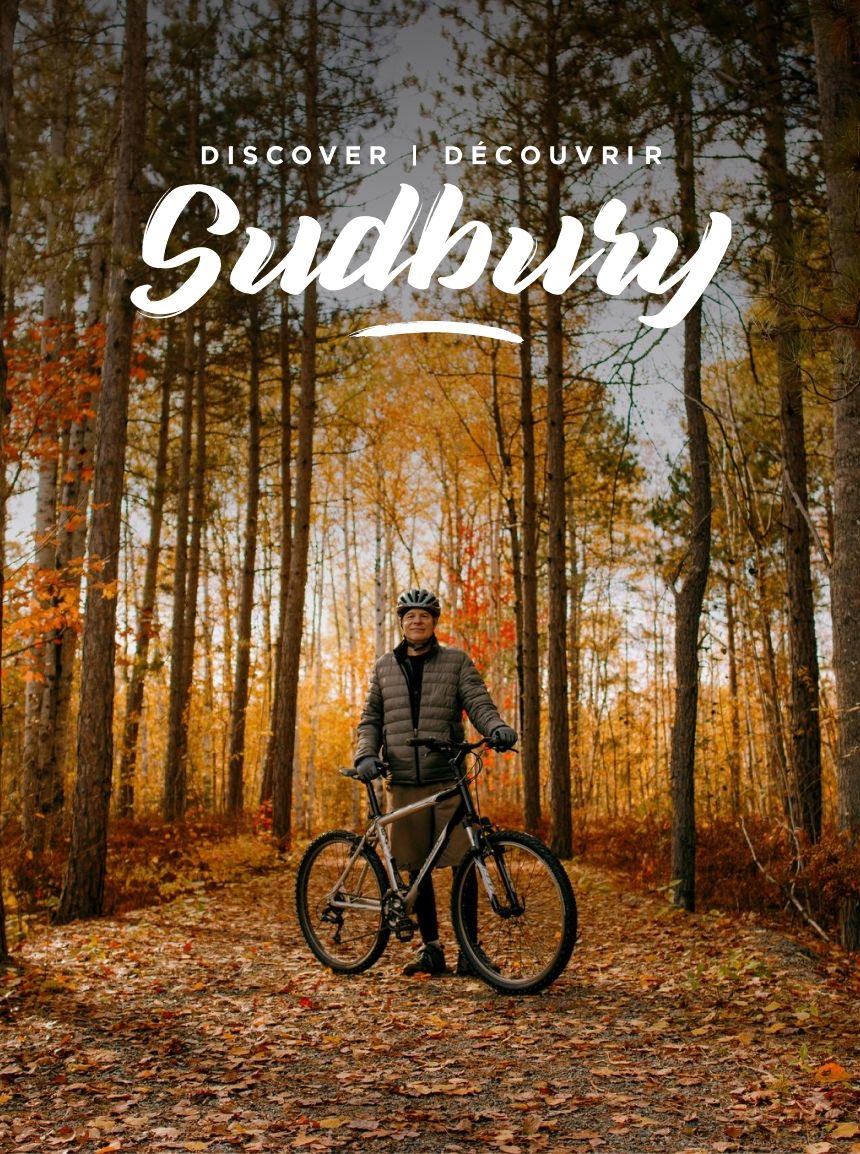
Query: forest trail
{"points": [[206, 1025]]}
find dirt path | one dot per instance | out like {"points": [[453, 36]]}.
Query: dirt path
{"points": [[206, 1025]]}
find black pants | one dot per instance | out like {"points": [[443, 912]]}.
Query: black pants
{"points": [[425, 907]]}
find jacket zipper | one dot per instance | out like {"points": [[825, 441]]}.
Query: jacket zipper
{"points": [[406, 670]]}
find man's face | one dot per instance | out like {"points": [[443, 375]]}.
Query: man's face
{"points": [[418, 627]]}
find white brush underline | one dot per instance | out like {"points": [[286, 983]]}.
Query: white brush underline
{"points": [[465, 328]]}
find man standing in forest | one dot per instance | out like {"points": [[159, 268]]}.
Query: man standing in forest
{"points": [[421, 689]]}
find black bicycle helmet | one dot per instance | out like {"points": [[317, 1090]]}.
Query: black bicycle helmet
{"points": [[418, 599]]}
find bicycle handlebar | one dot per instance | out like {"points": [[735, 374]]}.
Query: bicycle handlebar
{"points": [[439, 746], [351, 771], [435, 744]]}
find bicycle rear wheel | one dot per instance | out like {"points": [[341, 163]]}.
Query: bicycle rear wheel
{"points": [[339, 902], [526, 930]]}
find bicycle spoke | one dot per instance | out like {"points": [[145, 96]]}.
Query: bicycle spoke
{"points": [[339, 904], [521, 947]]}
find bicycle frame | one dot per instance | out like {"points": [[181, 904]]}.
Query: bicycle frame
{"points": [[513, 910], [465, 815]]}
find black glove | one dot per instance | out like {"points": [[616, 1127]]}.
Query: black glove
{"points": [[368, 768], [503, 737]]}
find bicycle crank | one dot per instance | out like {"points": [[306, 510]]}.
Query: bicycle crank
{"points": [[396, 917]]}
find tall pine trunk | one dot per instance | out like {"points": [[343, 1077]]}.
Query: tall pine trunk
{"points": [[174, 798], [137, 682], [74, 499], [836, 28], [195, 544], [239, 703], [689, 597], [8, 20], [510, 505], [83, 884], [530, 706], [43, 795], [46, 763], [804, 728], [560, 822], [281, 747], [286, 519]]}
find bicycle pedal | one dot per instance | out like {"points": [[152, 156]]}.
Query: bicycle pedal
{"points": [[405, 929]]}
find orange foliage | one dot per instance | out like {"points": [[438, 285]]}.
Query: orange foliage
{"points": [[39, 603], [54, 370], [54, 378], [149, 863], [727, 876]]}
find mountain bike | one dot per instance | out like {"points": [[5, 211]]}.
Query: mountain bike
{"points": [[350, 901]]}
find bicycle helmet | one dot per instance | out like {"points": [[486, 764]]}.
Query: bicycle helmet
{"points": [[418, 599]]}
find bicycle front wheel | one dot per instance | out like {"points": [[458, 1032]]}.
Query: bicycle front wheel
{"points": [[525, 928], [339, 902]]}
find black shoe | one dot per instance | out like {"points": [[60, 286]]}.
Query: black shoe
{"points": [[430, 960], [465, 969]]}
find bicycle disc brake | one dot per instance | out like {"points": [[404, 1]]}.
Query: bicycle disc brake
{"points": [[396, 917]]}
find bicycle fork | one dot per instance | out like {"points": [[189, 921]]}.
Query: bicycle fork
{"points": [[511, 907]]}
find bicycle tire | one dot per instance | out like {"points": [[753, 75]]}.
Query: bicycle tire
{"points": [[348, 941], [524, 948]]}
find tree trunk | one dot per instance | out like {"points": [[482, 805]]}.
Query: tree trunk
{"points": [[239, 704], [836, 28], [174, 767], [561, 825], [137, 683], [574, 650], [43, 787], [379, 585], [83, 885], [282, 743], [804, 729], [45, 766], [71, 545], [510, 505], [286, 457], [733, 755], [690, 596], [530, 714], [195, 552], [8, 20]]}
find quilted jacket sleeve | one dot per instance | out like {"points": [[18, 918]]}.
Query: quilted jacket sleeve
{"points": [[370, 724], [476, 700]]}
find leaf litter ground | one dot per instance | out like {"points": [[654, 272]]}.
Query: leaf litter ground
{"points": [[206, 1025]]}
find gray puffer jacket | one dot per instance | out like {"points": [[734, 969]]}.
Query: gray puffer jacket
{"points": [[450, 684]]}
